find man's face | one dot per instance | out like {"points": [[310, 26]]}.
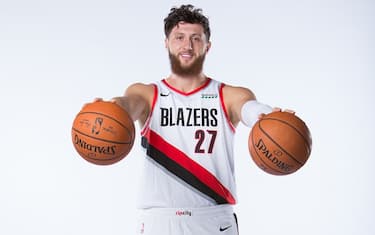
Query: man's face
{"points": [[187, 46]]}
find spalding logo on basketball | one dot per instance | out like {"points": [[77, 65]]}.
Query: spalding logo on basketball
{"points": [[280, 143], [103, 133]]}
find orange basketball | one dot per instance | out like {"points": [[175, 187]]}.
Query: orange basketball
{"points": [[103, 133], [280, 143]]}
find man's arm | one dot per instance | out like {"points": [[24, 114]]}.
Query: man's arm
{"points": [[234, 99], [137, 101]]}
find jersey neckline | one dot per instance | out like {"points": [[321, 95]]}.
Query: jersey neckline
{"points": [[190, 92]]}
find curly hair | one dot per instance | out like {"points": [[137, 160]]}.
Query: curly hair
{"points": [[189, 14]]}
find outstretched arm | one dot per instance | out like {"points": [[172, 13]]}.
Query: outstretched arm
{"points": [[242, 105], [137, 101]]}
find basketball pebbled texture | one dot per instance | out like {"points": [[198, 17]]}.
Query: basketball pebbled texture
{"points": [[103, 133], [280, 143]]}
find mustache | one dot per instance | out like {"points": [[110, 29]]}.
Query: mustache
{"points": [[194, 69]]}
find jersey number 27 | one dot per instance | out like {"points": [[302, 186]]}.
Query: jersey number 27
{"points": [[200, 136]]}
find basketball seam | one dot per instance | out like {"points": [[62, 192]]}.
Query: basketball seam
{"points": [[104, 140], [105, 115], [303, 137], [290, 155], [105, 160], [261, 159]]}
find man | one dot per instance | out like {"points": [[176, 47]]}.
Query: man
{"points": [[188, 122]]}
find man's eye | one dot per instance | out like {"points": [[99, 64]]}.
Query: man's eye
{"points": [[196, 39]]}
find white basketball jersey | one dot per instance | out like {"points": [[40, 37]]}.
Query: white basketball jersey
{"points": [[188, 142]]}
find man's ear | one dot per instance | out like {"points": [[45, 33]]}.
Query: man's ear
{"points": [[208, 46], [166, 42]]}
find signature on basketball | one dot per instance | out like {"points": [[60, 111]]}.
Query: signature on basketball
{"points": [[85, 122], [110, 129]]}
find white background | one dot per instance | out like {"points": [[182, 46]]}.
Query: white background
{"points": [[313, 56]]}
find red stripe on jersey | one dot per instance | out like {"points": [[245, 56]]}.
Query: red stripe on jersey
{"points": [[203, 175]]}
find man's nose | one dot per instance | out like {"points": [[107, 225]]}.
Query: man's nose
{"points": [[188, 44]]}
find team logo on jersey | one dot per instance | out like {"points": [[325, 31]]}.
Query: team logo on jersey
{"points": [[209, 96], [185, 116]]}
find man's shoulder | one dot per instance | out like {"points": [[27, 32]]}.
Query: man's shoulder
{"points": [[141, 90], [236, 89], [141, 87]]}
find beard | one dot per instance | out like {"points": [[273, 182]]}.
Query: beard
{"points": [[191, 70]]}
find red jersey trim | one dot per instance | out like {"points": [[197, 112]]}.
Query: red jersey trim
{"points": [[187, 93], [232, 127], [147, 123]]}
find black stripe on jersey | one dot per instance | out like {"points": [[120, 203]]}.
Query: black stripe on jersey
{"points": [[181, 172]]}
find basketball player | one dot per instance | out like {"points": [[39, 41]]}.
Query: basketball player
{"points": [[188, 122]]}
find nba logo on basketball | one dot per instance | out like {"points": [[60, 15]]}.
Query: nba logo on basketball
{"points": [[97, 125]]}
